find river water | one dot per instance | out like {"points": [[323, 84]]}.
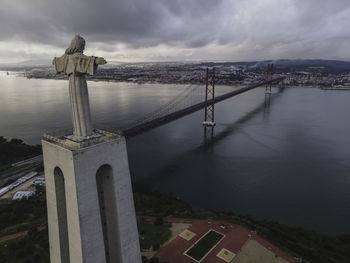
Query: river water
{"points": [[289, 162]]}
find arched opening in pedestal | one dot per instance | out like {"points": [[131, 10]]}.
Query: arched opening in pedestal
{"points": [[62, 214], [108, 211]]}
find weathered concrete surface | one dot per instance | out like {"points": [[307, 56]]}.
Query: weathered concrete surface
{"points": [[85, 234], [76, 65], [90, 204]]}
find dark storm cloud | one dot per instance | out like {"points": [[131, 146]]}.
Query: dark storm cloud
{"points": [[135, 22], [254, 28], [316, 12]]}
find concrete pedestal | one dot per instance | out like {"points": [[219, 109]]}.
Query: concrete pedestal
{"points": [[90, 204]]}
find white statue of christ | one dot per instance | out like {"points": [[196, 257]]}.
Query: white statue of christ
{"points": [[76, 65]]}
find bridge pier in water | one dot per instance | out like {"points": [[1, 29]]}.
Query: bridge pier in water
{"points": [[159, 120]]}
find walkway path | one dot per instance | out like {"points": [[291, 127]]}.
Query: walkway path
{"points": [[19, 234]]}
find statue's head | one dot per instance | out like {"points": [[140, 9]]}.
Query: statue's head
{"points": [[76, 46]]}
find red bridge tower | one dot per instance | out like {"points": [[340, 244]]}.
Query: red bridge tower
{"points": [[209, 95]]}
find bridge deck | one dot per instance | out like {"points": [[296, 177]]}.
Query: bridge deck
{"points": [[138, 129]]}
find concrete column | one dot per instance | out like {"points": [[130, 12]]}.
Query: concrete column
{"points": [[82, 168]]}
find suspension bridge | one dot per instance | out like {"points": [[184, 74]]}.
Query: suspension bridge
{"points": [[184, 104]]}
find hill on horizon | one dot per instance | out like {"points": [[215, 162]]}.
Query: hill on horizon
{"points": [[280, 64]]}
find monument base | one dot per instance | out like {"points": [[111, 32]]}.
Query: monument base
{"points": [[90, 204]]}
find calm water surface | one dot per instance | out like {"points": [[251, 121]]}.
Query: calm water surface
{"points": [[289, 162]]}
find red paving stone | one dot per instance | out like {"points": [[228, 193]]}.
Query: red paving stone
{"points": [[20, 234], [235, 237]]}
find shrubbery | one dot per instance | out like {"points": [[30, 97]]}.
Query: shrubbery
{"points": [[29, 249], [23, 215], [15, 150], [16, 216]]}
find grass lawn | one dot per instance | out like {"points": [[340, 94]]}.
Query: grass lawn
{"points": [[151, 234], [204, 245]]}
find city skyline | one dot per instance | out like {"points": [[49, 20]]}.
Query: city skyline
{"points": [[135, 31]]}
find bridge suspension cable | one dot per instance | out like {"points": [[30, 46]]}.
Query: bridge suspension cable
{"points": [[178, 102], [190, 95], [177, 112]]}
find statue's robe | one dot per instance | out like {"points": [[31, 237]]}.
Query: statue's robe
{"points": [[76, 66]]}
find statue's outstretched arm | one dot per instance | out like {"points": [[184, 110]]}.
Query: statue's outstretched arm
{"points": [[100, 61]]}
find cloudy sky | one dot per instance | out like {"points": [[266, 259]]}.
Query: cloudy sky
{"points": [[176, 30]]}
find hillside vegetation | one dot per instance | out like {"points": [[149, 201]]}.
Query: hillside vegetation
{"points": [[20, 215], [15, 150]]}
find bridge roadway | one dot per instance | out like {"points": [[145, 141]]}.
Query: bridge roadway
{"points": [[143, 127]]}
